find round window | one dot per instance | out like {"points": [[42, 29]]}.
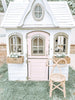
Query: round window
{"points": [[38, 12]]}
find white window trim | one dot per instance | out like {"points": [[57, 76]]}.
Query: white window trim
{"points": [[15, 44], [38, 54], [61, 34]]}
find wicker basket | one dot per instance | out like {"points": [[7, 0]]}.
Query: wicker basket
{"points": [[66, 58], [19, 60]]}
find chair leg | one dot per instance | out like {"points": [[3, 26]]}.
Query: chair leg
{"points": [[64, 90], [51, 84], [62, 84]]}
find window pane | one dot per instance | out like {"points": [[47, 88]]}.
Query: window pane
{"points": [[19, 49], [60, 44], [41, 50], [64, 40], [37, 46], [40, 14], [18, 40], [35, 42], [56, 45], [15, 44], [37, 15], [60, 48], [11, 40], [38, 11], [40, 42], [14, 40], [35, 51], [13, 48], [64, 48], [36, 8]]}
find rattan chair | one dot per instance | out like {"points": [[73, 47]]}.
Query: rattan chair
{"points": [[57, 79]]}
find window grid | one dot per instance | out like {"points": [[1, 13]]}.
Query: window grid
{"points": [[38, 12], [60, 47], [15, 44], [39, 50]]}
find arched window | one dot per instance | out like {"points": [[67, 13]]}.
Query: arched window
{"points": [[38, 46], [60, 43], [15, 44], [38, 12]]}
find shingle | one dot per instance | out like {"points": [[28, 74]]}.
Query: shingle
{"points": [[60, 11], [14, 14]]}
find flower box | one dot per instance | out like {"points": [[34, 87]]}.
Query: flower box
{"points": [[13, 60], [66, 58]]}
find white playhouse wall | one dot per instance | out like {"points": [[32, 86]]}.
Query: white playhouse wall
{"points": [[73, 33], [2, 31], [20, 15], [19, 71]]}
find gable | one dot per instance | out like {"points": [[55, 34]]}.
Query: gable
{"points": [[47, 20], [57, 14]]}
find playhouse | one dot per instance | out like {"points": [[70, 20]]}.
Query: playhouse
{"points": [[36, 30]]}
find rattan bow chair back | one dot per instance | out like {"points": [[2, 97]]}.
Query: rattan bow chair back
{"points": [[57, 79]]}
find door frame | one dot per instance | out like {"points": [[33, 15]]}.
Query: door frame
{"points": [[31, 51]]}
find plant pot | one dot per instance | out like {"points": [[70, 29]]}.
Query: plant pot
{"points": [[19, 60], [66, 58]]}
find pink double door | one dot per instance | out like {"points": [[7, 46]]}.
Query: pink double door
{"points": [[38, 51]]}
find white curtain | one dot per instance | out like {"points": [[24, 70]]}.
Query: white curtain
{"points": [[60, 40]]}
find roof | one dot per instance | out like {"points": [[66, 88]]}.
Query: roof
{"points": [[14, 14], [62, 13], [58, 10]]}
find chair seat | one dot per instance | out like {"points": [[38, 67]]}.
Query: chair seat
{"points": [[57, 77]]}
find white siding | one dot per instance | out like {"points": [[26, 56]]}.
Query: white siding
{"points": [[17, 72], [64, 71]]}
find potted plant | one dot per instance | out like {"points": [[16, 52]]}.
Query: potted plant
{"points": [[58, 56], [15, 58]]}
